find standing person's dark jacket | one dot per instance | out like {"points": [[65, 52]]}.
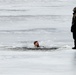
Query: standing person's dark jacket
{"points": [[73, 28]]}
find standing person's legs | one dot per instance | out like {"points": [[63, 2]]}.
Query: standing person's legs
{"points": [[74, 37]]}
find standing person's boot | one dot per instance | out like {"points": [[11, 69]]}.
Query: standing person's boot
{"points": [[74, 45]]}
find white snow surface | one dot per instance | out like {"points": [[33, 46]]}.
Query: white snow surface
{"points": [[38, 62]]}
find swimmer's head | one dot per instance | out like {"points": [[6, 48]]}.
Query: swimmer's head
{"points": [[36, 43]]}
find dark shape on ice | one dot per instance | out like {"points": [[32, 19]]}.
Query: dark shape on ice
{"points": [[73, 27]]}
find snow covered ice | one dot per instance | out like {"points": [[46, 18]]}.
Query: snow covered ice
{"points": [[38, 63], [48, 21]]}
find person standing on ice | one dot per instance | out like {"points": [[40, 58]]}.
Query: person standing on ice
{"points": [[73, 27]]}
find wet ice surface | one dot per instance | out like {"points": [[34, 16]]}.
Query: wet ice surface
{"points": [[48, 21], [38, 62]]}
